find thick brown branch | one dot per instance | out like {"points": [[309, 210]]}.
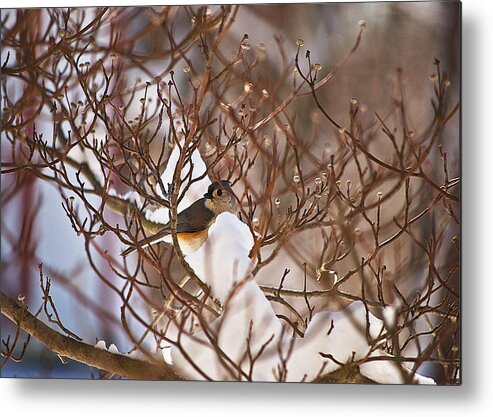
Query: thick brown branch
{"points": [[344, 375], [65, 346]]}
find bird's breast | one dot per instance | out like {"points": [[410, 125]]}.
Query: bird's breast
{"points": [[191, 241]]}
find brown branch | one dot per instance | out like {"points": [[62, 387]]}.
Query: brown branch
{"points": [[67, 347], [348, 374]]}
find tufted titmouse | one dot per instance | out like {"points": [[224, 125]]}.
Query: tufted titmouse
{"points": [[192, 224]]}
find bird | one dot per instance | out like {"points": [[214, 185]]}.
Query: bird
{"points": [[192, 224]]}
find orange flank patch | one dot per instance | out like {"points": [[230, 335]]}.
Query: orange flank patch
{"points": [[190, 242]]}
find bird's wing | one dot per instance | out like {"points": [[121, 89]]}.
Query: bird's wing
{"points": [[195, 218]]}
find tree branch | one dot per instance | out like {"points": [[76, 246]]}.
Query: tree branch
{"points": [[344, 375], [65, 346]]}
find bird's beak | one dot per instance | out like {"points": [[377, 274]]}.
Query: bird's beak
{"points": [[208, 196]]}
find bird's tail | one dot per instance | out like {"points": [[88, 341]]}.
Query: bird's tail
{"points": [[144, 243]]}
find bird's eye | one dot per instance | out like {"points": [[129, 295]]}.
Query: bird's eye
{"points": [[219, 193]]}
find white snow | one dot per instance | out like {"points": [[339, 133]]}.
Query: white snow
{"points": [[113, 349], [134, 197], [223, 260], [101, 344], [166, 351], [197, 189], [389, 317], [159, 215], [248, 326], [81, 154]]}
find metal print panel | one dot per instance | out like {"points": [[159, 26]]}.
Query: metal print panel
{"points": [[232, 193]]}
